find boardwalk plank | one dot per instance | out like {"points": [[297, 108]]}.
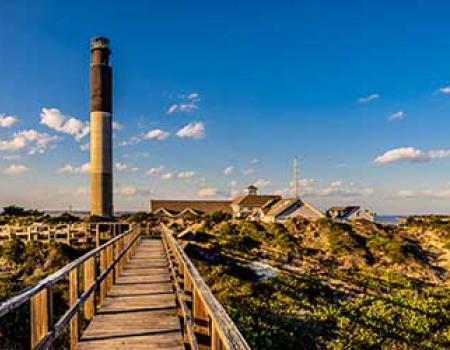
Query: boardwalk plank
{"points": [[140, 311]]}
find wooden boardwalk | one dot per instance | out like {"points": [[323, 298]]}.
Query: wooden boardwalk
{"points": [[139, 311]]}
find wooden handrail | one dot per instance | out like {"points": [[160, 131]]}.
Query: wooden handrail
{"points": [[106, 258], [205, 318]]}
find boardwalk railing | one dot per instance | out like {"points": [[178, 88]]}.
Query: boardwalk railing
{"points": [[204, 320], [67, 233], [93, 274]]}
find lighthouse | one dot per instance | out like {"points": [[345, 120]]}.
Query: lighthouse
{"points": [[101, 174]]}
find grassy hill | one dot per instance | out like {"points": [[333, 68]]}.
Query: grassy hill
{"points": [[325, 285]]}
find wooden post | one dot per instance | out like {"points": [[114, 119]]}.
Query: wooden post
{"points": [[216, 343], [109, 259], [73, 298], [97, 235], [41, 314], [103, 267], [89, 277], [116, 254], [187, 283], [201, 319]]}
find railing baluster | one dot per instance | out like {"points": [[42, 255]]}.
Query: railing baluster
{"points": [[89, 277], [73, 298], [103, 267], [109, 259], [39, 316]]}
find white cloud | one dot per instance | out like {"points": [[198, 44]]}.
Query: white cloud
{"points": [[336, 189], [127, 191], [261, 183], [445, 90], [411, 155], [369, 98], [85, 147], [397, 116], [167, 176], [254, 161], [207, 192], [54, 119], [228, 170], [15, 169], [36, 141], [195, 130], [172, 109], [70, 169], [133, 140], [185, 174], [7, 121], [157, 134], [188, 104], [424, 194], [117, 126], [121, 166], [156, 170]]}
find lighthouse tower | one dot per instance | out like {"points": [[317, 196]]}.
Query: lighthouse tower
{"points": [[101, 191]]}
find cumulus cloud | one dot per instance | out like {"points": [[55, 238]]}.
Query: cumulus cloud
{"points": [[397, 116], [185, 174], [207, 192], [127, 191], [85, 146], [167, 176], [157, 134], [121, 166], [228, 170], [156, 170], [261, 183], [188, 104], [7, 121], [368, 98], [410, 155], [254, 161], [247, 172], [36, 142], [335, 189], [16, 169], [424, 194], [117, 126], [70, 169], [54, 119], [445, 90], [133, 140], [195, 130]]}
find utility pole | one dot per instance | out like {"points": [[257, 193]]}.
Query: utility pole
{"points": [[296, 178]]}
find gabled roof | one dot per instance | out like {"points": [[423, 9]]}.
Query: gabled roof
{"points": [[301, 207], [255, 200], [194, 206], [344, 212]]}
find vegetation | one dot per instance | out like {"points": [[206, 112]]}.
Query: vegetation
{"points": [[336, 286]]}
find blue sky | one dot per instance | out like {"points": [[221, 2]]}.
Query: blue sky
{"points": [[356, 89]]}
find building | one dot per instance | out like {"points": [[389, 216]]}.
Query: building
{"points": [[101, 191], [350, 213], [251, 206], [284, 209], [180, 208]]}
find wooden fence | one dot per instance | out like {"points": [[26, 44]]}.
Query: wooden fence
{"points": [[67, 233], [90, 277], [205, 322]]}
